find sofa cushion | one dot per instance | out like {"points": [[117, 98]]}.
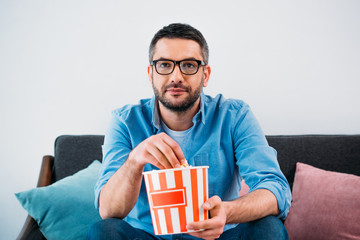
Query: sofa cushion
{"points": [[325, 205], [65, 209]]}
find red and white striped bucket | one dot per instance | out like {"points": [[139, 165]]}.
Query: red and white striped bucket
{"points": [[176, 197]]}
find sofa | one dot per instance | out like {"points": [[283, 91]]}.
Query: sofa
{"points": [[332, 159]]}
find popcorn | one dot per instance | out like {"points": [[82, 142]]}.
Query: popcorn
{"points": [[184, 164]]}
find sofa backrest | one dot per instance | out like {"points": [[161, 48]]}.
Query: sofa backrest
{"points": [[75, 152], [339, 153]]}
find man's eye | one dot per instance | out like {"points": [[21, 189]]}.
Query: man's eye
{"points": [[164, 65], [189, 65]]}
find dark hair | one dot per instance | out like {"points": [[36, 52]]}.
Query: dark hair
{"points": [[180, 30]]}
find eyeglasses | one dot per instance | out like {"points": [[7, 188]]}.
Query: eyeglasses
{"points": [[187, 67]]}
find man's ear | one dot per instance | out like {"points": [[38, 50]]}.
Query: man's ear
{"points": [[150, 73], [207, 72]]}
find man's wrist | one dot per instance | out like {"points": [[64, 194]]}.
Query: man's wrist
{"points": [[134, 165], [227, 205]]}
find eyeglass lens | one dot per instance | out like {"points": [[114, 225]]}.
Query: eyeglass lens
{"points": [[186, 66]]}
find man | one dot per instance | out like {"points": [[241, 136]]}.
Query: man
{"points": [[179, 123]]}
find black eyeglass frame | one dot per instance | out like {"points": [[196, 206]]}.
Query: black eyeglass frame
{"points": [[199, 62]]}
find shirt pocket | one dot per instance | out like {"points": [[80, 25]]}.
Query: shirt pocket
{"points": [[220, 172]]}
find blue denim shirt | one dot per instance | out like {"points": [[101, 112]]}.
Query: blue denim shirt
{"points": [[225, 136]]}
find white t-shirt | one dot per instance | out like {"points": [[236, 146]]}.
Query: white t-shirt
{"points": [[178, 136]]}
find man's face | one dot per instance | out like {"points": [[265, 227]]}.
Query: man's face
{"points": [[178, 92]]}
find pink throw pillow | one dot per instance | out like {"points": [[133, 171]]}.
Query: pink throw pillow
{"points": [[326, 205], [244, 189]]}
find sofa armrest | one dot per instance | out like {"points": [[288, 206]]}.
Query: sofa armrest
{"points": [[30, 229], [45, 176]]}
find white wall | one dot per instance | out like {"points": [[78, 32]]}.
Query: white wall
{"points": [[64, 65]]}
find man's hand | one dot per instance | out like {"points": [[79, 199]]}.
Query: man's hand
{"points": [[214, 226], [159, 150], [120, 193], [255, 205]]}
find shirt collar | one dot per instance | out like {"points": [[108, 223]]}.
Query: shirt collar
{"points": [[156, 114], [202, 107]]}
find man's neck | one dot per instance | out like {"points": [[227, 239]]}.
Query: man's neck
{"points": [[179, 121]]}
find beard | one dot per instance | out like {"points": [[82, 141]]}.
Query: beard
{"points": [[183, 106]]}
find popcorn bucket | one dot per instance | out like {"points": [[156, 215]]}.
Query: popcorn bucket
{"points": [[176, 197]]}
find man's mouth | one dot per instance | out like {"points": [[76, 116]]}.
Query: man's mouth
{"points": [[176, 91]]}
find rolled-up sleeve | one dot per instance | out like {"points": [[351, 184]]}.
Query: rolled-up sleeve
{"points": [[257, 161], [115, 149]]}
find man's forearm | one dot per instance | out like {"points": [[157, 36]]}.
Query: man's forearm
{"points": [[119, 195], [255, 205]]}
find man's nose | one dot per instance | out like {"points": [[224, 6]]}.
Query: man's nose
{"points": [[177, 75]]}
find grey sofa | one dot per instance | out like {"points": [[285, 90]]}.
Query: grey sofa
{"points": [[339, 153]]}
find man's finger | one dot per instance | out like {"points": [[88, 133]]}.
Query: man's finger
{"points": [[207, 234], [212, 202], [211, 230], [172, 151], [159, 157], [169, 154], [154, 161], [175, 147], [206, 224]]}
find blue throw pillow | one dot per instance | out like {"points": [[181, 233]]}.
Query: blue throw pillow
{"points": [[65, 209]]}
